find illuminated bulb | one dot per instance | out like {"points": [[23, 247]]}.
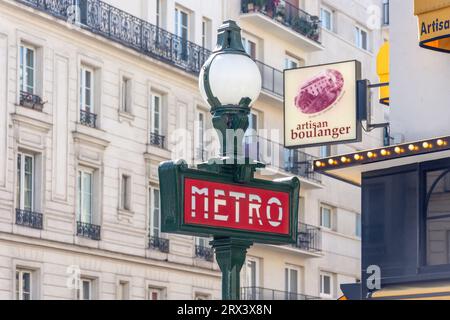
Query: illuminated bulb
{"points": [[371, 154], [426, 145], [318, 164], [358, 157], [398, 150], [344, 159], [384, 152], [441, 143], [331, 161], [412, 147]]}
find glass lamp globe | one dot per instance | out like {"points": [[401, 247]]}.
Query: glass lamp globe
{"points": [[229, 75]]}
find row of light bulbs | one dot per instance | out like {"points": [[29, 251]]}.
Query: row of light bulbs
{"points": [[413, 147]]}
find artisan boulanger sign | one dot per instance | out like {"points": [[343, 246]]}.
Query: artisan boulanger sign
{"points": [[434, 24], [320, 105], [202, 203]]}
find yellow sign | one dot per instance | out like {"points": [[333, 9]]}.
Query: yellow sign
{"points": [[383, 72], [434, 24]]}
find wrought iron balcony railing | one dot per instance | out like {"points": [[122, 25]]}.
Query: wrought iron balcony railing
{"points": [[31, 101], [277, 156], [309, 238], [119, 26], [159, 244], [258, 293], [286, 14], [157, 140], [206, 253], [88, 230], [29, 219], [88, 119]]}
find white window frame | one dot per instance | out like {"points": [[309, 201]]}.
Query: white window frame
{"points": [[80, 194], [322, 208], [359, 38], [80, 290], [159, 292], [201, 130], [18, 290], [206, 33], [21, 180], [322, 285], [331, 14], [256, 261], [179, 12], [291, 62], [125, 191], [83, 70], [152, 228], [287, 284], [123, 290], [153, 129], [24, 48], [158, 13], [125, 94], [246, 43]]}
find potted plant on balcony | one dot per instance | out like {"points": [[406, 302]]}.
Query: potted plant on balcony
{"points": [[280, 11]]}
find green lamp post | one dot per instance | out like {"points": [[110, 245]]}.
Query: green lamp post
{"points": [[230, 82]]}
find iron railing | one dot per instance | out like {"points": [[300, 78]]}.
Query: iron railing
{"points": [[31, 101], [29, 219], [88, 230], [119, 26], [286, 14], [258, 293], [277, 156], [88, 119], [158, 244], [386, 13], [309, 238], [203, 252], [157, 140]]}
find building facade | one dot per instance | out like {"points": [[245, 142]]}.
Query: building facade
{"points": [[94, 95]]}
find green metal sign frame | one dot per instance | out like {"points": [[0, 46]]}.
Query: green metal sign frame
{"points": [[172, 203]]}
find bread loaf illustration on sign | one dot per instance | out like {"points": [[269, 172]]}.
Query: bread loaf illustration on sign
{"points": [[320, 92]]}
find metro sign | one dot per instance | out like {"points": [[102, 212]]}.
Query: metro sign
{"points": [[201, 203]]}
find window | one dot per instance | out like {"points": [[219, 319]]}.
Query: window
{"points": [[125, 103], [206, 33], [25, 181], [201, 135], [85, 196], [326, 285], [385, 12], [291, 280], [358, 226], [84, 292], [250, 47], [325, 151], [27, 69], [24, 283], [252, 278], [202, 296], [123, 290], [155, 293], [182, 31], [158, 13], [156, 114], [361, 38], [125, 192], [326, 18], [87, 89], [155, 217], [291, 62], [325, 217]]}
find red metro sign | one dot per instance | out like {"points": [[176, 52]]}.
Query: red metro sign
{"points": [[236, 207], [202, 203]]}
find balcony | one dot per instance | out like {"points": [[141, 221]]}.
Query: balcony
{"points": [[29, 219], [309, 238], [159, 244], [31, 101], [88, 119], [157, 140], [272, 79], [285, 21], [88, 230], [283, 161], [206, 253], [258, 293]]}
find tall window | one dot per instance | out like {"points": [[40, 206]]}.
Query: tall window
{"points": [[326, 18], [24, 283], [125, 104], [84, 292], [326, 216], [291, 62], [27, 69], [361, 38], [155, 293], [87, 89], [326, 285], [250, 47], [123, 290], [158, 13], [291, 279], [358, 226], [25, 181], [206, 33], [155, 216], [125, 192], [252, 273], [201, 135], [156, 114], [85, 196], [182, 30]]}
